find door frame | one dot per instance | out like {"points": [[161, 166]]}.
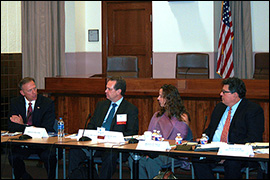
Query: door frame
{"points": [[104, 9]]}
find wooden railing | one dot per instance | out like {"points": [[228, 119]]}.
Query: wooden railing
{"points": [[75, 98]]}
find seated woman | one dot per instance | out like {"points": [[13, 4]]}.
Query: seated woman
{"points": [[172, 118]]}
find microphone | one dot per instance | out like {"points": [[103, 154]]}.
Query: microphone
{"points": [[205, 120], [85, 138]]}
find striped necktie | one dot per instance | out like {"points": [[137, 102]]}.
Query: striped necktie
{"points": [[29, 114]]}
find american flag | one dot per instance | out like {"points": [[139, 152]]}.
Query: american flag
{"points": [[225, 57]]}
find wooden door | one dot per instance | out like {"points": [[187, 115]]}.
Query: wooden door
{"points": [[127, 30]]}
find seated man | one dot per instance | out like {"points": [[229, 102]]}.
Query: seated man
{"points": [[234, 120], [35, 110], [115, 91]]}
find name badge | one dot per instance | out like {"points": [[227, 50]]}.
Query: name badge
{"points": [[121, 119]]}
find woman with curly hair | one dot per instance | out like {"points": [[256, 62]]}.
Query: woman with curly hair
{"points": [[172, 118], [172, 114]]}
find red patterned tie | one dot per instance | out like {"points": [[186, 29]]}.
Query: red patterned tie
{"points": [[224, 135], [29, 114]]}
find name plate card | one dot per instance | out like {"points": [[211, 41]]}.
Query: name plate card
{"points": [[36, 132], [89, 133], [113, 136], [236, 150], [109, 136], [154, 145]]}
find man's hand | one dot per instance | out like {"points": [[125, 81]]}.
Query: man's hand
{"points": [[17, 119]]}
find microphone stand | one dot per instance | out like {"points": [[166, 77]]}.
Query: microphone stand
{"points": [[85, 138], [204, 123], [205, 120]]}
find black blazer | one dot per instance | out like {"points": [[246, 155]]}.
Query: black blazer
{"points": [[247, 124], [43, 114], [130, 128]]}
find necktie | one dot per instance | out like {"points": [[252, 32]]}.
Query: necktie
{"points": [[29, 114], [108, 122], [224, 135]]}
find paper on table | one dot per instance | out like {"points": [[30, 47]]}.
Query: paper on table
{"points": [[213, 146], [262, 151], [139, 137], [259, 144], [10, 134], [72, 136]]}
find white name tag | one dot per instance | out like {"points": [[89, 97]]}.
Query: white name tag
{"points": [[36, 132], [236, 150], [121, 119], [154, 145]]}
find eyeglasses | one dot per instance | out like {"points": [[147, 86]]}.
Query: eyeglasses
{"points": [[224, 92]]}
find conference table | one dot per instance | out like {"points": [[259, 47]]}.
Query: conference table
{"points": [[9, 140], [123, 148]]}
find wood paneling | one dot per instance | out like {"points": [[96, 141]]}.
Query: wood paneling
{"points": [[77, 97], [11, 74]]}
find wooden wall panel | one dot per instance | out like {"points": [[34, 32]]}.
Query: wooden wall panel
{"points": [[199, 111], [11, 74], [199, 96], [145, 110], [75, 109]]}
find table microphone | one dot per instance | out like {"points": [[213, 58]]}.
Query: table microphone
{"points": [[85, 138], [205, 120]]}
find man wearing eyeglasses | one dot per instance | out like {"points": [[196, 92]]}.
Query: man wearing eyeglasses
{"points": [[244, 121], [128, 125]]}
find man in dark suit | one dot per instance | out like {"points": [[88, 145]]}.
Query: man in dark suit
{"points": [[42, 115], [246, 124], [115, 91]]}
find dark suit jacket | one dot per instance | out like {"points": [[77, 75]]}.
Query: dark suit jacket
{"points": [[130, 128], [43, 114], [247, 124]]}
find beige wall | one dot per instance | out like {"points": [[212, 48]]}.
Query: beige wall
{"points": [[11, 27], [179, 34]]}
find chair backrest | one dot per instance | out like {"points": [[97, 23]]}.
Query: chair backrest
{"points": [[261, 66], [192, 65], [125, 66], [55, 126], [189, 135]]}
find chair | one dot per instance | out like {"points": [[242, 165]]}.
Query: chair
{"points": [[125, 66], [98, 161], [220, 169], [261, 66], [192, 66], [36, 157]]}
